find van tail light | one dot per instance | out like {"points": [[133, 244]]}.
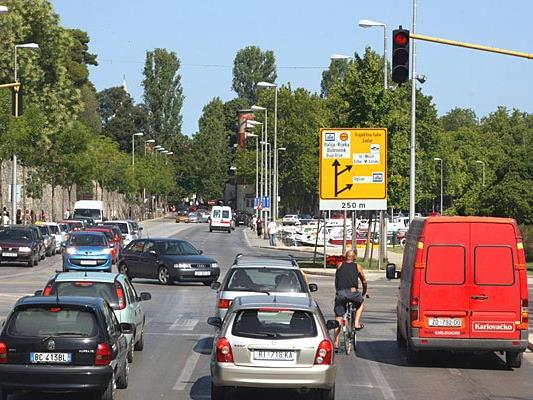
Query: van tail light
{"points": [[415, 313], [524, 316], [224, 303], [47, 290], [3, 353], [120, 295], [224, 352], [104, 355], [324, 353]]}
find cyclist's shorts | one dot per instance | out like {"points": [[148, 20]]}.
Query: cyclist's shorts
{"points": [[344, 296]]}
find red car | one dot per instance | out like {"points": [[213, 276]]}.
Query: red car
{"points": [[114, 239]]}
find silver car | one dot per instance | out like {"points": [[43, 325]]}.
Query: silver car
{"points": [[253, 275], [273, 342]]}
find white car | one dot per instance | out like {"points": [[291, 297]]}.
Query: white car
{"points": [[126, 229], [290, 219], [56, 232]]}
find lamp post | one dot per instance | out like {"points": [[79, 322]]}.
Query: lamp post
{"points": [[277, 177], [253, 135], [146, 142], [31, 46], [268, 175], [440, 160], [274, 201], [483, 171], [264, 138], [133, 147], [366, 23]]}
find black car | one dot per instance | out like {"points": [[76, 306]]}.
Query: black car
{"points": [[167, 260], [20, 244], [40, 238], [63, 344]]}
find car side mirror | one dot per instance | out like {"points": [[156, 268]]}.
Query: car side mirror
{"points": [[313, 287], [391, 272], [332, 324], [200, 252], [214, 321], [38, 293], [140, 228], [126, 328], [215, 285], [145, 296]]}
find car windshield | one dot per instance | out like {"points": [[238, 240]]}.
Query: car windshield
{"points": [[258, 279], [15, 234], [274, 323], [52, 321], [108, 234], [176, 248], [54, 229], [44, 230], [105, 290], [87, 212], [123, 226], [88, 240]]}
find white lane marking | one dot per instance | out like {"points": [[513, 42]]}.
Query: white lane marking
{"points": [[188, 369], [183, 324], [383, 385]]}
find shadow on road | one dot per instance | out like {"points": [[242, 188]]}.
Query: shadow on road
{"points": [[204, 346]]}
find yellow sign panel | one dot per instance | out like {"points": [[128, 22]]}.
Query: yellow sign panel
{"points": [[353, 166]]}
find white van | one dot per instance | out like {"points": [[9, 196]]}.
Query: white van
{"points": [[89, 208], [221, 219]]}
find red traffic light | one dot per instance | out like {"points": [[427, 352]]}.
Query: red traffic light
{"points": [[400, 55], [401, 38]]}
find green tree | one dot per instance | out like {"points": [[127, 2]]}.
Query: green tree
{"points": [[163, 97], [251, 65], [333, 75]]}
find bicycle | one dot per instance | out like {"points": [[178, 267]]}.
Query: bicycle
{"points": [[349, 332]]}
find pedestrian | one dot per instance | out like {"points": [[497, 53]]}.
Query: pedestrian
{"points": [[253, 225], [19, 217], [33, 217], [5, 212], [259, 228], [272, 231], [43, 216], [5, 218], [67, 213], [26, 220]]}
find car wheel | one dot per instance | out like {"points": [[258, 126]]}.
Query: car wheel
{"points": [[35, 259], [109, 393], [43, 256], [163, 275], [327, 394], [513, 359], [31, 262], [130, 350], [218, 392], [210, 230], [122, 380], [139, 346], [123, 269]]}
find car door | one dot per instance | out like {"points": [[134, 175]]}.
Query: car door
{"points": [[135, 304], [148, 260], [119, 343], [132, 258]]}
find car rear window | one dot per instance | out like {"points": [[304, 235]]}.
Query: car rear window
{"points": [[272, 323], [122, 226], [225, 214], [493, 265], [54, 321], [88, 240], [445, 265], [264, 279], [108, 234], [104, 290]]}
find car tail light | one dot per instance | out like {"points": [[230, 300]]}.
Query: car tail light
{"points": [[3, 353], [224, 353], [104, 355], [224, 303], [120, 295], [47, 290], [324, 353]]}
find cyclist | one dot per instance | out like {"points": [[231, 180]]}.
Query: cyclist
{"points": [[347, 279]]}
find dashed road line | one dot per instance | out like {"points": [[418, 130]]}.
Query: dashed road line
{"points": [[186, 373]]}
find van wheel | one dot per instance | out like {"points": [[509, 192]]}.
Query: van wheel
{"points": [[218, 392], [513, 359], [400, 341], [35, 260]]}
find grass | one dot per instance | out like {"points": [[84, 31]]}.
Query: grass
{"points": [[529, 266], [320, 264]]}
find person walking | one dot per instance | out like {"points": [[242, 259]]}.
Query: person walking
{"points": [[67, 213], [33, 217], [5, 218], [272, 231], [259, 228], [253, 225], [19, 217], [26, 219]]}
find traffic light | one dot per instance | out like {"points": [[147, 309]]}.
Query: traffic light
{"points": [[17, 101], [400, 55]]}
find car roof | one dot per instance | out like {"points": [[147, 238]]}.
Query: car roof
{"points": [[262, 261], [94, 302], [92, 233], [300, 303], [89, 276], [23, 227]]}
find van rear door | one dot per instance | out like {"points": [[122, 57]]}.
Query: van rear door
{"points": [[444, 290], [495, 294]]}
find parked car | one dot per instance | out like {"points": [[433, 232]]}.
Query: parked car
{"points": [[87, 251], [63, 344], [221, 219], [290, 219], [88, 221], [125, 228], [250, 275], [305, 218], [40, 238], [241, 218], [115, 288], [203, 216], [167, 260], [19, 244], [49, 239], [192, 217], [114, 240], [182, 216], [273, 342], [463, 287]]}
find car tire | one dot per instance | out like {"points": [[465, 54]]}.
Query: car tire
{"points": [[139, 346], [218, 392], [122, 380], [130, 356], [327, 394], [123, 269], [163, 275], [210, 230], [109, 393], [513, 359], [30, 263], [413, 356], [35, 259], [400, 341], [43, 256]]}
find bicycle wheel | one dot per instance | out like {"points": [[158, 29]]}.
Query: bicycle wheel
{"points": [[354, 333], [348, 334]]}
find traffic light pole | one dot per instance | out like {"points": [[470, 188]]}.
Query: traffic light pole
{"points": [[412, 146]]}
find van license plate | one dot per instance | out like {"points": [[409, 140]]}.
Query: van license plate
{"points": [[274, 355], [202, 273], [445, 322], [51, 358]]}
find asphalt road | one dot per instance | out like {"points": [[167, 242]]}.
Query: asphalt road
{"points": [[175, 362]]}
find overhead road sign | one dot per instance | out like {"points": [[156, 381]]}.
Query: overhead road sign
{"points": [[353, 169]]}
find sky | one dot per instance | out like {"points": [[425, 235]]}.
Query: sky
{"points": [[207, 34]]}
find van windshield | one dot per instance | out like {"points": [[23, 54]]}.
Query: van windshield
{"points": [[88, 212]]}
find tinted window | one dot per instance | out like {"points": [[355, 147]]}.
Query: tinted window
{"points": [[44, 230], [105, 290], [493, 265], [225, 214], [123, 226], [87, 212], [136, 247], [176, 248], [55, 321], [54, 229], [88, 240], [108, 234], [274, 323], [149, 246], [445, 265], [15, 234], [267, 279]]}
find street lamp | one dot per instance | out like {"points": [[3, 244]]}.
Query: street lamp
{"points": [[133, 147], [146, 142], [264, 138], [268, 172], [31, 46], [275, 189], [253, 135], [366, 23], [440, 160], [483, 169], [341, 57]]}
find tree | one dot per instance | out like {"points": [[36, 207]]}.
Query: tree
{"points": [[334, 74], [163, 97], [251, 65]]}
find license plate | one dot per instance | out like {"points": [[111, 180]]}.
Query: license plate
{"points": [[88, 262], [445, 322], [51, 358], [202, 273], [274, 355], [9, 254]]}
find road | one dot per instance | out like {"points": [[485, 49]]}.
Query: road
{"points": [[175, 362]]}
